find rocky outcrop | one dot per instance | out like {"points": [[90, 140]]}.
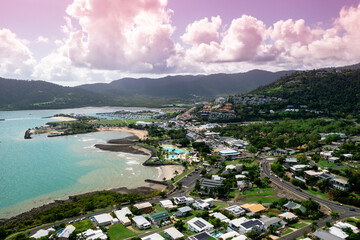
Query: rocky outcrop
{"points": [[27, 134]]}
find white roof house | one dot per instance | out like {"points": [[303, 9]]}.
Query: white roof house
{"points": [[173, 233], [229, 235], [234, 225], [199, 225], [235, 210], [240, 237], [220, 216], [343, 225], [338, 232], [103, 219], [42, 233], [167, 204], [91, 234], [154, 236], [121, 214], [183, 200], [65, 234], [288, 215], [141, 222]]}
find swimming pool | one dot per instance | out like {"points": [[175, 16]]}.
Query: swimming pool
{"points": [[217, 234], [174, 150]]}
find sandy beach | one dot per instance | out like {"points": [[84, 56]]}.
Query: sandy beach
{"points": [[141, 134], [64, 119], [168, 171]]}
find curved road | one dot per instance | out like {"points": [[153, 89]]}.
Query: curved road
{"points": [[344, 211]]}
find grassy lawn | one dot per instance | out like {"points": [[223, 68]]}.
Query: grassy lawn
{"points": [[298, 225], [318, 194], [118, 231], [326, 164], [307, 220], [83, 225], [286, 232], [261, 199], [218, 206], [158, 208], [257, 192]]}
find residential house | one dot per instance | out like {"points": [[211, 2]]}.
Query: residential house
{"points": [[103, 219], [297, 168], [199, 225], [144, 207], [292, 206], [217, 178], [271, 221], [338, 232], [65, 234], [42, 233], [141, 222], [207, 183], [288, 216], [343, 225], [183, 200], [220, 216], [333, 160], [159, 217], [291, 160], [201, 236], [183, 211], [340, 183], [324, 235], [154, 236], [167, 204], [91, 234], [235, 210], [240, 237], [240, 176], [253, 207], [229, 235], [243, 225], [205, 204], [123, 214], [311, 173], [173, 234], [243, 184]]}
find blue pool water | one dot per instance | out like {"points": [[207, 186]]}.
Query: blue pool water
{"points": [[173, 156], [218, 234], [174, 150]]}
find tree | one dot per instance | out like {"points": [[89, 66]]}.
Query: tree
{"points": [[313, 226], [334, 215], [180, 225]]}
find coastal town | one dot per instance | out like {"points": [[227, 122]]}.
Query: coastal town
{"points": [[219, 186]]}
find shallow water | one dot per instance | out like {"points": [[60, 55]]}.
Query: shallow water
{"points": [[37, 171]]}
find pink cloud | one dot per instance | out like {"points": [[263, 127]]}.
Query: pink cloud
{"points": [[121, 34], [15, 57], [202, 31]]}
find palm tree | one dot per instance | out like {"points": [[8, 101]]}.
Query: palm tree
{"points": [[334, 215]]}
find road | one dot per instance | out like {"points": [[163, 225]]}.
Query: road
{"points": [[344, 211]]}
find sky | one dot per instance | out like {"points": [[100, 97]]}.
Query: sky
{"points": [[72, 42]]}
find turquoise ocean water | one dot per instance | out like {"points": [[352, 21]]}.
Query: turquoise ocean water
{"points": [[37, 171]]}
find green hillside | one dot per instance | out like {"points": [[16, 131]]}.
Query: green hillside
{"points": [[334, 92]]}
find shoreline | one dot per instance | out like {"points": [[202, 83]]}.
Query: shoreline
{"points": [[141, 134], [43, 202]]}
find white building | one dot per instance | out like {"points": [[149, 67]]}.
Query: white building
{"points": [[235, 210], [154, 236], [42, 233], [123, 214], [183, 200], [141, 222], [173, 234], [167, 204], [65, 234], [229, 235], [103, 219], [220, 216], [199, 225], [343, 225], [205, 204], [91, 234], [338, 232]]}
